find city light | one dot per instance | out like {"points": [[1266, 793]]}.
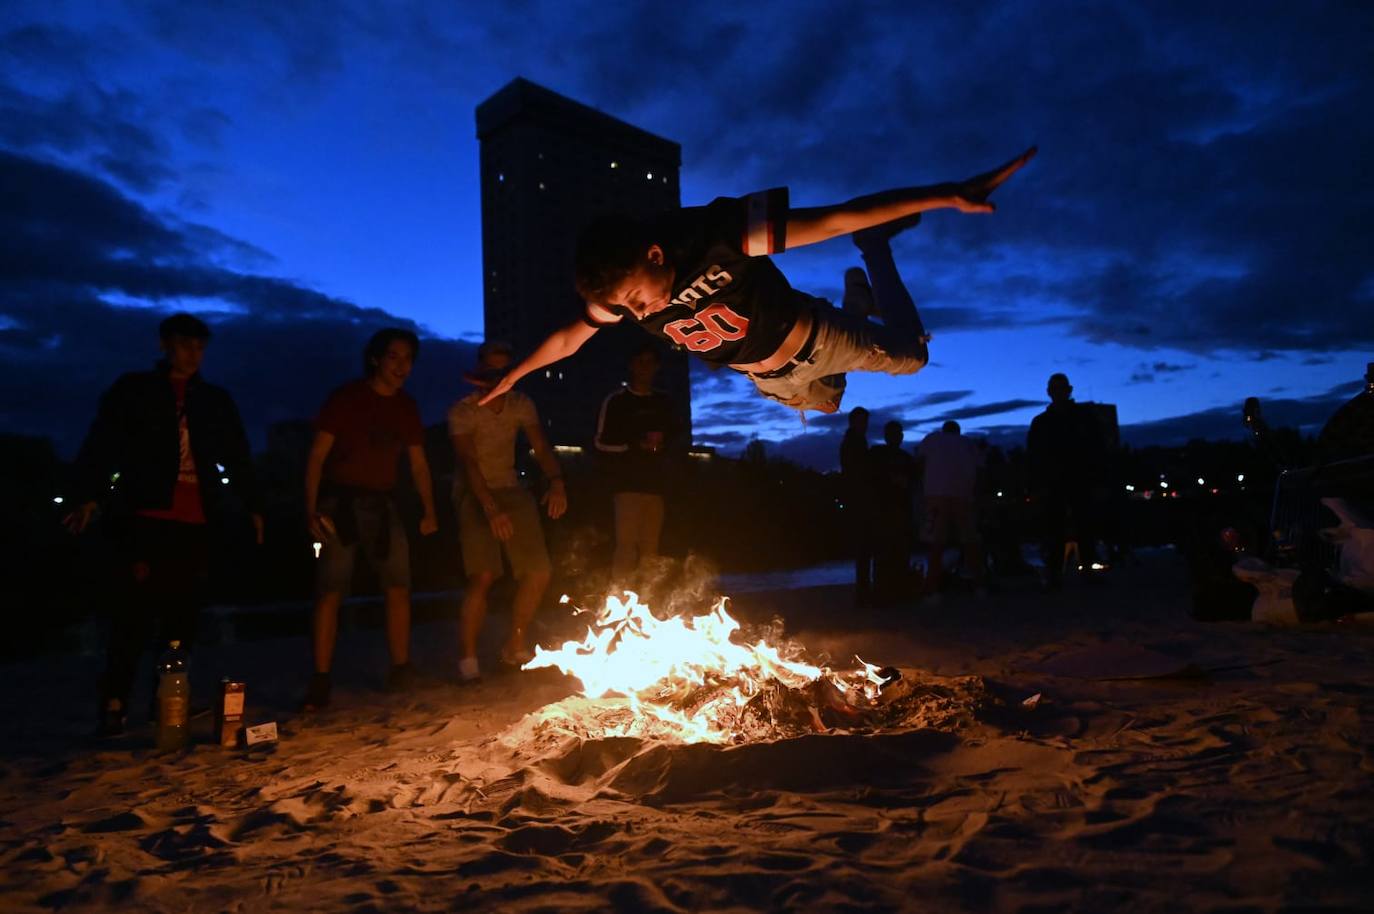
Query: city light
{"points": [[1129, 487], [1201, 481], [57, 499], [1240, 477]]}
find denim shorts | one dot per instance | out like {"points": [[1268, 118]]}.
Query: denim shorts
{"points": [[376, 519], [482, 550], [844, 343]]}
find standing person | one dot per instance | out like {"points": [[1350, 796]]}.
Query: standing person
{"points": [[699, 278], [1065, 452], [163, 437], [633, 432], [1350, 430], [856, 492], [951, 463], [495, 513], [894, 473], [350, 478]]}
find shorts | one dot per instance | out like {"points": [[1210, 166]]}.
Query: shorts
{"points": [[951, 519], [482, 550], [844, 343], [334, 571]]}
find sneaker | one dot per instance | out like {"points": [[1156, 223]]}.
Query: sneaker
{"points": [[468, 670], [858, 294], [317, 696], [402, 678], [112, 720]]}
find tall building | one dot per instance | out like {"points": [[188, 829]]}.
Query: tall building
{"points": [[549, 165]]}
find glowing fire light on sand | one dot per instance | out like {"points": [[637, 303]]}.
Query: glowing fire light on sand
{"points": [[686, 678]]}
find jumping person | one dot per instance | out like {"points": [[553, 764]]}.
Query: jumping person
{"points": [[699, 277]]}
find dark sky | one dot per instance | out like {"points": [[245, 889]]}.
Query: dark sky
{"points": [[1196, 229]]}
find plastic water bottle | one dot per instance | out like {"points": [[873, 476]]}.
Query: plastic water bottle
{"points": [[173, 699]]}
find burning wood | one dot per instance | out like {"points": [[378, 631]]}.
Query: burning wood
{"points": [[696, 679]]}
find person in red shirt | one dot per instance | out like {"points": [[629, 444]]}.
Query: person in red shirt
{"points": [[164, 446], [360, 434]]}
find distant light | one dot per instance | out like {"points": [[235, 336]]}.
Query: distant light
{"points": [[1240, 477], [999, 494], [560, 376], [220, 467], [665, 179], [1163, 484], [568, 448], [1098, 566], [548, 372], [650, 176], [1129, 487], [615, 164], [224, 480], [1201, 481], [317, 547], [57, 499], [500, 177]]}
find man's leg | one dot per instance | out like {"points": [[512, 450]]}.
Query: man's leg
{"points": [[131, 628], [529, 561], [625, 557], [890, 294], [398, 624], [651, 527], [473, 612]]}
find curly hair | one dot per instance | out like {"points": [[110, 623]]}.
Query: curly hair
{"points": [[608, 250]]}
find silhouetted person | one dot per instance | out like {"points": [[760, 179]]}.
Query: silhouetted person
{"points": [[634, 431], [495, 513], [857, 496], [161, 447], [894, 474], [350, 476], [950, 464], [1065, 450], [701, 278], [1350, 430]]}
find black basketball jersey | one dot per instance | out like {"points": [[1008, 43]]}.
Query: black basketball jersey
{"points": [[730, 303]]}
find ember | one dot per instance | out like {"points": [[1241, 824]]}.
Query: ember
{"points": [[687, 679]]}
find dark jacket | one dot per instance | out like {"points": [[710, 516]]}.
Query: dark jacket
{"points": [[135, 434]]}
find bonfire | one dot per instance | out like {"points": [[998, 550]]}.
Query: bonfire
{"points": [[701, 678]]}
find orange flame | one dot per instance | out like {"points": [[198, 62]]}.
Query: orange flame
{"points": [[629, 652]]}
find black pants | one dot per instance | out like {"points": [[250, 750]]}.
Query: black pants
{"points": [[158, 588], [1068, 517]]}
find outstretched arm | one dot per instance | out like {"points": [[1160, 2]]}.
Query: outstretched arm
{"points": [[559, 345], [819, 223]]}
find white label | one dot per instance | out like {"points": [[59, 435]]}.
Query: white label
{"points": [[262, 733]]}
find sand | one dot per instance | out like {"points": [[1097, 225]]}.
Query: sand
{"points": [[1168, 765]]}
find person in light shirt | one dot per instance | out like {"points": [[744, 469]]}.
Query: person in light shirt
{"points": [[951, 463]]}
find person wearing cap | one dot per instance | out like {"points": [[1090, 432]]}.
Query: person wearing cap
{"points": [[1350, 430], [495, 513], [350, 477], [164, 447], [701, 279]]}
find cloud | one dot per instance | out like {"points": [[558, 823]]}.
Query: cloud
{"points": [[87, 274]]}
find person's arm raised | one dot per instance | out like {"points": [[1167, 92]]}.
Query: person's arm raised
{"points": [[809, 225], [560, 344]]}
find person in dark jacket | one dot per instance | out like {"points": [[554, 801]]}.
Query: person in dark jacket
{"points": [[857, 494], [894, 478], [164, 447], [1066, 454], [636, 430]]}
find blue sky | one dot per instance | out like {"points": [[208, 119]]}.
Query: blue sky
{"points": [[1197, 227]]}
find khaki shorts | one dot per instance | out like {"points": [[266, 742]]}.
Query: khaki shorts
{"points": [[951, 519], [482, 550]]}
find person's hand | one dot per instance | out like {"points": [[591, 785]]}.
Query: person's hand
{"points": [[502, 527], [429, 524], [556, 499], [78, 520], [502, 387], [971, 195], [321, 526], [257, 527]]}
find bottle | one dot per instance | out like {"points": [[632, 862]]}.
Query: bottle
{"points": [[173, 699]]}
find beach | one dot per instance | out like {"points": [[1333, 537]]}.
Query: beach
{"points": [[1123, 757]]}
